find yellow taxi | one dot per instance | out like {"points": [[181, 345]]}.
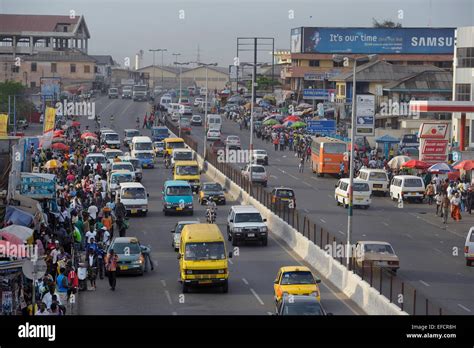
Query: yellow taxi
{"points": [[296, 280]]}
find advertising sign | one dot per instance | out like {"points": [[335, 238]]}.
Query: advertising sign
{"points": [[50, 87], [434, 140], [7, 302], [38, 185], [49, 119], [295, 40], [322, 127], [315, 76], [365, 115], [313, 93], [379, 40], [3, 125]]}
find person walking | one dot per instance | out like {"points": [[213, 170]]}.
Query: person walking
{"points": [[439, 201], [430, 191], [92, 264], [275, 142], [342, 170], [111, 267], [445, 205], [62, 286], [469, 200], [146, 251], [456, 207], [301, 165]]}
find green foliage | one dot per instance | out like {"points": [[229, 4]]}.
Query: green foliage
{"points": [[24, 107], [386, 23]]}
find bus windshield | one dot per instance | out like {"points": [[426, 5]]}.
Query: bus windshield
{"points": [[143, 146], [334, 148], [205, 251], [187, 170], [134, 193], [183, 156], [175, 145]]}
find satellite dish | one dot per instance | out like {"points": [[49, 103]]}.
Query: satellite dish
{"points": [[39, 267]]}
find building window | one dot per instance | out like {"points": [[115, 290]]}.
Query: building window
{"points": [[465, 57], [444, 65], [414, 62], [87, 69], [15, 68], [314, 63], [463, 92], [338, 64], [54, 68], [73, 68], [33, 67], [65, 29], [33, 84]]}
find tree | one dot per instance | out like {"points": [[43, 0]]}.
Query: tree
{"points": [[24, 107], [386, 23]]}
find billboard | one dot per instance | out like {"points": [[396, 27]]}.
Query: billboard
{"points": [[295, 40], [365, 115], [50, 87], [36, 185], [49, 119], [378, 40], [434, 141]]}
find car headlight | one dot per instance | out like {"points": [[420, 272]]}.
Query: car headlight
{"points": [[137, 262], [189, 271], [263, 229], [315, 293], [189, 204], [237, 229], [168, 206], [221, 271]]}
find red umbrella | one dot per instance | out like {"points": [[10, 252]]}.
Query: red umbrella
{"points": [[292, 118], [58, 133], [76, 124], [60, 146], [88, 134], [278, 126], [416, 164], [465, 165], [11, 238], [453, 176]]}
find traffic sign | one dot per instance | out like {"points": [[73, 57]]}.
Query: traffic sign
{"points": [[29, 267], [322, 127]]}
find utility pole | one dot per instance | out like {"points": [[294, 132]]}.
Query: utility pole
{"points": [[162, 77], [205, 107], [154, 75]]}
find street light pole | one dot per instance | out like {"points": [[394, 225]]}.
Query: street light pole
{"points": [[180, 72], [205, 107]]}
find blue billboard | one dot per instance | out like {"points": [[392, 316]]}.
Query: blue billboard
{"points": [[378, 40], [322, 127], [313, 93]]}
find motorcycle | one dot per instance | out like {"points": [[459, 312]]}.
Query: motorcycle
{"points": [[167, 162], [82, 276], [211, 215]]}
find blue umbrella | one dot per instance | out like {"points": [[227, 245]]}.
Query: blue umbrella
{"points": [[440, 168]]}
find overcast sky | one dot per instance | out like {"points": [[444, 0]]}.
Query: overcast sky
{"points": [[121, 28]]}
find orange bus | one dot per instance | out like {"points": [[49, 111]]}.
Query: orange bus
{"points": [[327, 155]]}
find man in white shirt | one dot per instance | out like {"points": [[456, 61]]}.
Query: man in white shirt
{"points": [[48, 298], [106, 236], [93, 210], [90, 235]]}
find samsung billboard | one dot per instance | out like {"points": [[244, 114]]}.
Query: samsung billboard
{"points": [[377, 40]]}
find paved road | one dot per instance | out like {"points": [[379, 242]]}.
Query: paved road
{"points": [[158, 292], [425, 248]]}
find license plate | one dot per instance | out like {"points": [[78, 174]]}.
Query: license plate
{"points": [[178, 208], [123, 268], [134, 211], [205, 281], [382, 263], [359, 199], [250, 234], [412, 194], [377, 186]]}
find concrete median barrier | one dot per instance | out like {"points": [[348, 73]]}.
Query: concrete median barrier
{"points": [[358, 290]]}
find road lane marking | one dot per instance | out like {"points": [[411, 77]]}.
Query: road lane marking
{"points": [[406, 234], [340, 232], [465, 308], [174, 313], [424, 283], [329, 196], [306, 211], [323, 221], [257, 297], [269, 313], [168, 296], [230, 261], [163, 282], [384, 223], [245, 281], [294, 177], [304, 182], [277, 159], [335, 292], [273, 176], [438, 250]]}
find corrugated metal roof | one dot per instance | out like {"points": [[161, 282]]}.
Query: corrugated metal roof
{"points": [[60, 56], [383, 71], [12, 23], [426, 80], [103, 59]]}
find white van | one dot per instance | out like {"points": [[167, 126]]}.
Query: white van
{"points": [[141, 144], [134, 197], [181, 155], [112, 140], [110, 154], [214, 122], [376, 178], [173, 108], [118, 177], [407, 187], [361, 193], [469, 247], [165, 101]]}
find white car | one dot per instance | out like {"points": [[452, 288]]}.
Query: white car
{"points": [[94, 158], [260, 157], [213, 134], [376, 178], [361, 193], [123, 166], [245, 223], [379, 254], [175, 116], [110, 154], [469, 247], [255, 173], [233, 142], [177, 232]]}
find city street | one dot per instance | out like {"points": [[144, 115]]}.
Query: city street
{"points": [[158, 292], [425, 248]]}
